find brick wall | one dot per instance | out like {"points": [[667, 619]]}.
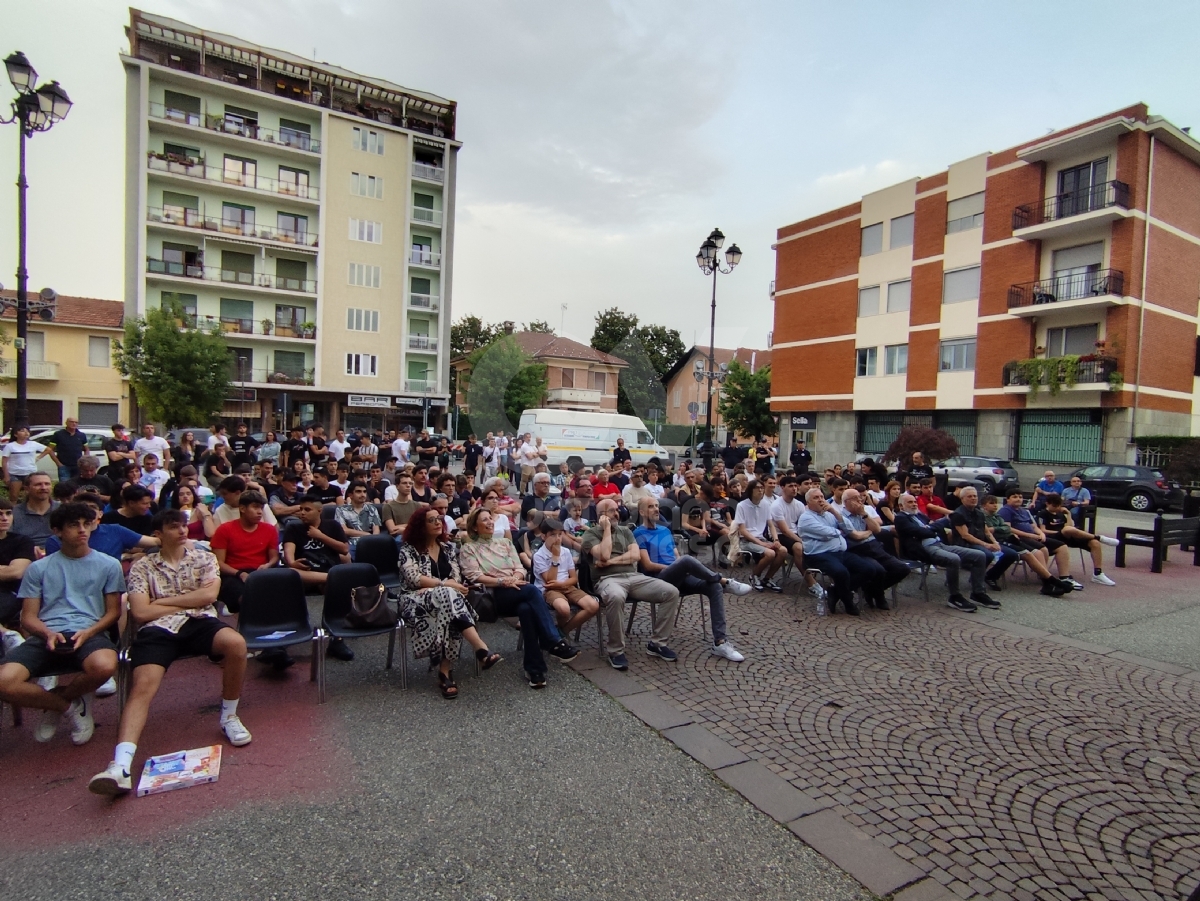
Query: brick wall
{"points": [[832, 253], [819, 313], [1005, 191], [929, 226], [923, 360], [813, 369], [1001, 268]]}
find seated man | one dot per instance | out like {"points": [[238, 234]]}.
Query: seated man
{"points": [[1048, 484], [1030, 534], [153, 478], [242, 546], [107, 538], [752, 520], [69, 600], [786, 512], [1017, 549], [689, 575], [1075, 498], [555, 574], [613, 554], [970, 529], [172, 594], [921, 541], [821, 529], [930, 504], [397, 512], [862, 539], [313, 547], [540, 499], [134, 512], [16, 553], [358, 516], [31, 517], [231, 489], [285, 502], [89, 468], [1056, 520]]}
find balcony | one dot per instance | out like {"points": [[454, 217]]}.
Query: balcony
{"points": [[422, 342], [271, 377], [216, 227], [421, 385], [1063, 214], [35, 369], [284, 137], [426, 258], [1092, 372], [426, 302], [258, 328], [585, 397], [253, 280], [426, 172], [427, 216], [187, 167], [1102, 288]]}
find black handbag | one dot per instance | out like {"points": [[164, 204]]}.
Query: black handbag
{"points": [[482, 603], [369, 608]]}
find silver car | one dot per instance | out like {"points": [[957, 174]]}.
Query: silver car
{"points": [[998, 475]]}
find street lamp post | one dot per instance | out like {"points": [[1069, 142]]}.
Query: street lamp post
{"points": [[709, 261], [34, 109]]}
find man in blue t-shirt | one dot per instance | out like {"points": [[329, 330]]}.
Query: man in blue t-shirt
{"points": [[1049, 484], [688, 574], [70, 599]]}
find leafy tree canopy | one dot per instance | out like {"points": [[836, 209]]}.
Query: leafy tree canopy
{"points": [[934, 444], [502, 383], [541, 326], [650, 350], [745, 405], [472, 330]]}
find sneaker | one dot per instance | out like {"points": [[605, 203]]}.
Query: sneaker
{"points": [[1053, 588], [992, 584], [1075, 585], [817, 591], [618, 662], [564, 651], [47, 725], [11, 640], [958, 602], [772, 585], [756, 583], [1068, 585], [112, 782], [733, 586], [536, 680], [1101, 579], [1109, 540], [82, 724], [660, 650], [108, 689], [47, 683], [932, 568], [728, 651], [983, 600], [237, 734], [339, 650]]}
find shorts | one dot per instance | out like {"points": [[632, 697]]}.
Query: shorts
{"points": [[38, 659], [1073, 541], [788, 542], [159, 647], [754, 550], [572, 595]]}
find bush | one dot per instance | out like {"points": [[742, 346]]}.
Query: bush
{"points": [[933, 443], [1185, 462]]}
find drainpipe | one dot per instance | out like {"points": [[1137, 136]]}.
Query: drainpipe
{"points": [[1137, 386]]}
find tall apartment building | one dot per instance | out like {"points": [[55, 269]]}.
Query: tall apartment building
{"points": [[1071, 259], [305, 211]]}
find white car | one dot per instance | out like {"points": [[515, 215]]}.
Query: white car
{"points": [[96, 436]]}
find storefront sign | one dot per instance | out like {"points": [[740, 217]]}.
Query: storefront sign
{"points": [[237, 395], [804, 421], [368, 400]]}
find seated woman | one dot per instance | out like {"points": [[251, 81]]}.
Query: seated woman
{"points": [[435, 599], [200, 523], [491, 561]]}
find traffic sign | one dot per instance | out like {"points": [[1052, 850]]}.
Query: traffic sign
{"points": [[692, 416], [693, 408]]}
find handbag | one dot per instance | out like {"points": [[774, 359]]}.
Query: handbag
{"points": [[369, 608], [482, 602]]}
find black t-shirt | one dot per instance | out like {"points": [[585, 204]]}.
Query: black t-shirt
{"points": [[423, 497], [973, 519], [67, 447], [217, 466], [102, 484], [242, 447], [459, 506], [426, 449], [140, 524], [287, 500], [620, 479], [733, 455], [295, 448], [319, 555], [117, 446], [1053, 521], [375, 492], [14, 547], [328, 495], [472, 452], [923, 471], [317, 453], [621, 454]]}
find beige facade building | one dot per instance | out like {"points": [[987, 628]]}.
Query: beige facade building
{"points": [[683, 390]]}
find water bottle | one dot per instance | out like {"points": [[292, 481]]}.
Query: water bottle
{"points": [[822, 610]]}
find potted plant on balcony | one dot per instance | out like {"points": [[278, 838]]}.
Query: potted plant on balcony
{"points": [[267, 324], [308, 329]]}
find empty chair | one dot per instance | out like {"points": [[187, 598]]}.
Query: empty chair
{"points": [[273, 601], [343, 578], [381, 552]]}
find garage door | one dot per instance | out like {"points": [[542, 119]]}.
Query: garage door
{"points": [[98, 414], [1060, 436]]}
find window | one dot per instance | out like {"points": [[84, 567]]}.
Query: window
{"points": [[241, 364], [960, 285], [99, 352], [182, 108], [872, 240], [568, 378], [240, 121], [964, 213], [1082, 188], [362, 320], [365, 139], [703, 411], [237, 267], [867, 357], [868, 301], [292, 225], [675, 399], [902, 232], [895, 359], [899, 296], [290, 363], [98, 413], [186, 301], [364, 276], [599, 382], [291, 275], [293, 181], [295, 134], [237, 219], [366, 185], [240, 171], [288, 320], [180, 208], [237, 315], [366, 230], [1076, 340], [360, 364], [35, 347], [957, 356], [182, 152]]}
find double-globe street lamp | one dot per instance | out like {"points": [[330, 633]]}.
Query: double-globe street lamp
{"points": [[35, 109], [709, 261]]}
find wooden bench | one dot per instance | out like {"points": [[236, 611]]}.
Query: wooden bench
{"points": [[1166, 532]]}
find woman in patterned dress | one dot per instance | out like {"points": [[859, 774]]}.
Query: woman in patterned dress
{"points": [[434, 604]]}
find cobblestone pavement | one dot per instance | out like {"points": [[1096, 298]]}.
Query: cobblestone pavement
{"points": [[1002, 765]]}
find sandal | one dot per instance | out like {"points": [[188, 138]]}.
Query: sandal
{"points": [[486, 658], [449, 687]]}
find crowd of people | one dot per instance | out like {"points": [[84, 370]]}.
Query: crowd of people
{"points": [[165, 536]]}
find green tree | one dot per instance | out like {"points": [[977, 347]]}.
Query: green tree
{"points": [[650, 351], [541, 326], [471, 330], [612, 327], [180, 375], [744, 403], [502, 383]]}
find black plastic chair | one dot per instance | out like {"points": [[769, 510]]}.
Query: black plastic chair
{"points": [[381, 552], [273, 601], [342, 579]]}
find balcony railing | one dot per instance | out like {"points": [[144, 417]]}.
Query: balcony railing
{"points": [[1067, 287], [420, 385], [421, 342], [1094, 371], [34, 369], [425, 258], [274, 377], [237, 326], [234, 276], [190, 218], [428, 216], [194, 168], [424, 302], [296, 140], [1073, 203], [429, 173]]}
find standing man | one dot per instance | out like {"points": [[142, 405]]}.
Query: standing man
{"points": [[295, 448], [620, 454], [800, 458], [217, 435], [119, 451], [919, 468], [472, 455], [150, 443], [242, 445], [339, 445], [400, 448], [67, 447], [31, 517], [529, 461]]}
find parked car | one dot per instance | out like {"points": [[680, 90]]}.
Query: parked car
{"points": [[1139, 488], [96, 435], [997, 475]]}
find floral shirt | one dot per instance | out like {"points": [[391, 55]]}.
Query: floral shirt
{"points": [[360, 520], [157, 577]]}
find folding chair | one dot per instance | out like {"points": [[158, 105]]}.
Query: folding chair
{"points": [[273, 601], [342, 579], [920, 567], [381, 552]]}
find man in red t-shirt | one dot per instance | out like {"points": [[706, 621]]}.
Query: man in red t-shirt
{"points": [[243, 545], [929, 503], [605, 488]]}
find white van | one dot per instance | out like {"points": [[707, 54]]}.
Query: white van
{"points": [[587, 439]]}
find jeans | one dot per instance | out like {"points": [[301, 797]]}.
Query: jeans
{"points": [[537, 621], [952, 558], [66, 473], [1008, 557], [890, 570], [848, 571], [691, 576]]}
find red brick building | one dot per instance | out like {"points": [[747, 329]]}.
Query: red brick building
{"points": [[1073, 259]]}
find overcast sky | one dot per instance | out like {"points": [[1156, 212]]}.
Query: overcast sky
{"points": [[604, 140]]}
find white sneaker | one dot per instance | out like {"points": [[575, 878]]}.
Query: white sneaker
{"points": [[82, 724], [817, 591], [108, 689], [1109, 540], [112, 782], [728, 651], [733, 586], [1101, 579], [47, 726], [11, 640], [1075, 583], [48, 683], [237, 734]]}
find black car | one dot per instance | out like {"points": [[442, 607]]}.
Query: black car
{"points": [[1139, 488]]}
